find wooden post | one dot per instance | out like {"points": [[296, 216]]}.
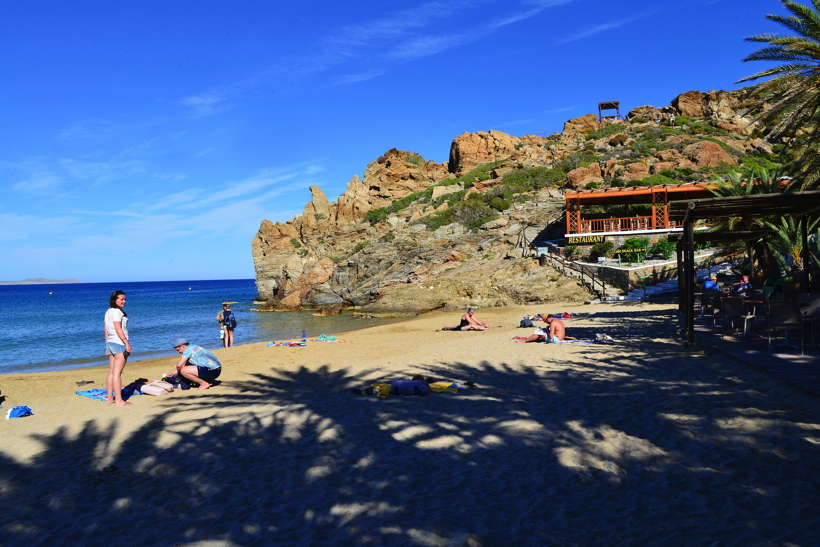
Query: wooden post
{"points": [[689, 228], [804, 253]]}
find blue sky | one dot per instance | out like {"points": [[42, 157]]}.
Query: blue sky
{"points": [[147, 140]]}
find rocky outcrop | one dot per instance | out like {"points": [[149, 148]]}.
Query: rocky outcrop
{"points": [[578, 127], [580, 177], [707, 154], [335, 255]]}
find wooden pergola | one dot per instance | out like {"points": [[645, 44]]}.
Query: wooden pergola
{"points": [[798, 204], [659, 197]]}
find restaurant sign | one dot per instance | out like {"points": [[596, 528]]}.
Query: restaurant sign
{"points": [[584, 240]]}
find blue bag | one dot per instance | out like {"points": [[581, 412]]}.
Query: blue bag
{"points": [[19, 412]]}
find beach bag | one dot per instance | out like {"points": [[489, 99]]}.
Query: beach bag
{"points": [[525, 323], [19, 412], [157, 388], [410, 387]]}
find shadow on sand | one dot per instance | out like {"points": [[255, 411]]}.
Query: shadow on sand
{"points": [[661, 447]]}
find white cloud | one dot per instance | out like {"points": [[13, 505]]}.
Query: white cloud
{"points": [[607, 26]]}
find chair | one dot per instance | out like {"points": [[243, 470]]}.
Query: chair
{"points": [[810, 308], [785, 316], [733, 309]]}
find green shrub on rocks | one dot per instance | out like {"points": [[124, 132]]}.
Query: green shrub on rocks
{"points": [[662, 248], [527, 180], [600, 249], [605, 131]]}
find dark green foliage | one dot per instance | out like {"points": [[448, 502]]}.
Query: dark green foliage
{"points": [[527, 180], [790, 89], [570, 251], [638, 120], [591, 185], [637, 243], [473, 213], [654, 180], [500, 204], [414, 159], [295, 242], [482, 172], [377, 215], [359, 246], [389, 236], [602, 248], [438, 219], [663, 248], [576, 160]]}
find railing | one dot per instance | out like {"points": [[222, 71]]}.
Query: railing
{"points": [[585, 273], [625, 224]]}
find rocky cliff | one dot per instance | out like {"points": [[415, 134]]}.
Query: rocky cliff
{"points": [[387, 244]]}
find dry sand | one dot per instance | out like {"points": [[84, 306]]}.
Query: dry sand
{"points": [[641, 443]]}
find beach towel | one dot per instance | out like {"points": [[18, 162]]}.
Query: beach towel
{"points": [[102, 394], [18, 412], [597, 342], [287, 344], [450, 387]]}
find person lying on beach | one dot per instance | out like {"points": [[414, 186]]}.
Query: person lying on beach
{"points": [[554, 335], [468, 322], [197, 364]]}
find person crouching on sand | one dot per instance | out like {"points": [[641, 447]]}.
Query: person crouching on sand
{"points": [[554, 335], [197, 364]]}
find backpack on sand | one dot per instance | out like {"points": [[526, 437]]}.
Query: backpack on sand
{"points": [[525, 323]]}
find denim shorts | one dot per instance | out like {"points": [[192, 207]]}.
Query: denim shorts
{"points": [[112, 348]]}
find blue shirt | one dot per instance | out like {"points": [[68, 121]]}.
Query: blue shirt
{"points": [[710, 285], [201, 357]]}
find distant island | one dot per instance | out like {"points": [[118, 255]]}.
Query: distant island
{"points": [[40, 281]]}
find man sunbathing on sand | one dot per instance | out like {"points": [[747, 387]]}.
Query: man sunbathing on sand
{"points": [[554, 335], [468, 322], [197, 364]]}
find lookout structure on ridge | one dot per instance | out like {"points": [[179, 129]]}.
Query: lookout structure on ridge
{"points": [[610, 105]]}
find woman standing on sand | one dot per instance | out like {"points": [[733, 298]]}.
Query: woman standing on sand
{"points": [[117, 347]]}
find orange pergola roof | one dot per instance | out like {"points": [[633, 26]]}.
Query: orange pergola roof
{"points": [[640, 194]]}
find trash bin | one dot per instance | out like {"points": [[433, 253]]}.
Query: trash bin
{"points": [[542, 259]]}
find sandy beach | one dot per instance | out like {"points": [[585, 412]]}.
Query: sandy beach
{"points": [[639, 443]]}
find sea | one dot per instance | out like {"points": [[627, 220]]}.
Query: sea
{"points": [[60, 326]]}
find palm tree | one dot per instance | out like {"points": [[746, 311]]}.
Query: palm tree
{"points": [[794, 89], [761, 262], [787, 242]]}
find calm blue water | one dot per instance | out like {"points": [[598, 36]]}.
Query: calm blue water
{"points": [[56, 327]]}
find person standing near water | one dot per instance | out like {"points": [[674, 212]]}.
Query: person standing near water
{"points": [[117, 347], [228, 322]]}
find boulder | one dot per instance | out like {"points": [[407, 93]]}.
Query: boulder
{"points": [[582, 176], [470, 150], [648, 112], [660, 166], [633, 171], [689, 104], [578, 127], [707, 154]]}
